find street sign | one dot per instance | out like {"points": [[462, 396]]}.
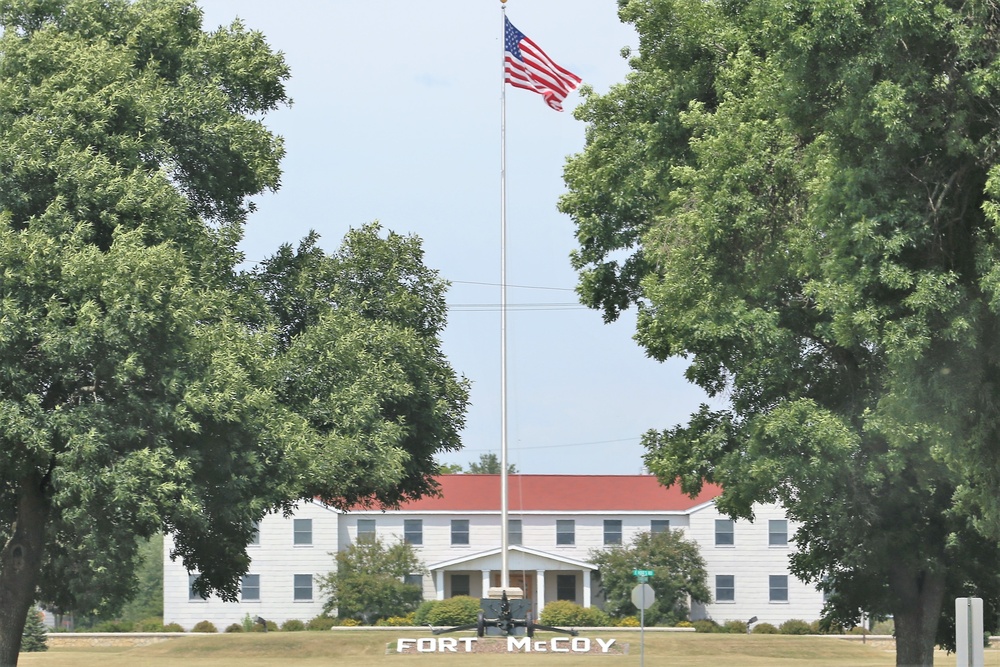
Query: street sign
{"points": [[642, 573], [643, 596]]}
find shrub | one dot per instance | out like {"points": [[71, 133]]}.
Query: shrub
{"points": [[794, 626], [684, 624], [734, 627], [626, 622], [887, 627], [204, 626], [422, 611], [112, 626], [347, 622], [563, 613], [397, 621], [764, 629], [859, 630], [151, 624], [234, 627], [293, 625], [458, 610], [321, 623], [706, 625], [173, 627], [271, 627]]}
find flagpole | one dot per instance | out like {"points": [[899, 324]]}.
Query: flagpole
{"points": [[504, 536]]}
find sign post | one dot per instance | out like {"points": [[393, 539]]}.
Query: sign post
{"points": [[643, 597], [969, 632]]}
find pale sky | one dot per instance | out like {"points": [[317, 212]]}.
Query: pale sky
{"points": [[396, 118]]}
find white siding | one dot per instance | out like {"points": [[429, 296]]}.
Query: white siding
{"points": [[276, 559]]}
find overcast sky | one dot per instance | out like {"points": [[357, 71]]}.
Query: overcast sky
{"points": [[396, 118]]}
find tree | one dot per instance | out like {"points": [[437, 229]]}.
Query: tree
{"points": [[370, 581], [34, 638], [679, 572], [489, 464], [801, 198], [145, 384]]}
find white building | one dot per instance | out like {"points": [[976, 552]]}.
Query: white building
{"points": [[555, 523]]}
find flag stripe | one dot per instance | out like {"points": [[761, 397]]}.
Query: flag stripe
{"points": [[527, 66]]}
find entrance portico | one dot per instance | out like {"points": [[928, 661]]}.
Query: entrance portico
{"points": [[542, 576]]}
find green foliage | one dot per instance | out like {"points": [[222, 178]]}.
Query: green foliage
{"points": [[234, 627], [151, 624], [34, 637], [422, 611], [148, 600], [321, 623], [173, 627], [457, 610], [764, 629], [397, 621], [679, 573], [368, 583], [803, 198], [632, 622], [794, 626], [204, 626], [489, 464], [563, 613], [293, 625], [112, 626], [706, 625], [735, 627], [247, 623]]}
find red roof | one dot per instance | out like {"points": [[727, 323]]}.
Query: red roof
{"points": [[560, 493]]}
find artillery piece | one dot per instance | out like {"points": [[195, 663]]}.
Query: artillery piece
{"points": [[504, 617]]}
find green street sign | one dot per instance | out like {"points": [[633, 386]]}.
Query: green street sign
{"points": [[642, 573]]}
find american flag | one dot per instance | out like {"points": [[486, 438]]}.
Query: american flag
{"points": [[526, 66]]}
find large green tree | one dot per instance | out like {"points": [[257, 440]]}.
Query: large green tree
{"points": [[801, 198], [370, 582], [145, 384], [679, 575]]}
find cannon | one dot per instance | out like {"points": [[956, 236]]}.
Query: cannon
{"points": [[504, 617]]}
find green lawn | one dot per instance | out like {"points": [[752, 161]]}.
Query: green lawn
{"points": [[282, 649]]}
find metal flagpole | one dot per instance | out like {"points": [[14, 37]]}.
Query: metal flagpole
{"points": [[504, 537]]}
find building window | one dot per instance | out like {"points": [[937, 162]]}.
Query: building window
{"points": [[724, 533], [460, 585], [725, 588], [777, 533], [459, 531], [514, 531], [565, 531], [612, 531], [566, 587], [192, 593], [413, 531], [778, 588], [250, 588], [303, 587], [366, 529], [414, 580], [255, 538], [659, 526], [303, 532]]}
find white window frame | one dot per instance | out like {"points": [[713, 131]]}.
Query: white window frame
{"points": [[777, 533], [302, 532], [245, 585], [460, 530], [725, 582], [365, 532], [298, 585], [777, 588], [413, 531], [612, 535], [565, 532], [727, 533]]}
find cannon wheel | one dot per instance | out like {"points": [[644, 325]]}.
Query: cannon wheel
{"points": [[529, 624], [481, 625]]}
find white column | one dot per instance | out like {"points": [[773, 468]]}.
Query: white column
{"points": [[586, 588], [486, 582], [439, 575], [539, 591]]}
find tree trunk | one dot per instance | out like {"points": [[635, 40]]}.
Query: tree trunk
{"points": [[20, 562], [919, 596]]}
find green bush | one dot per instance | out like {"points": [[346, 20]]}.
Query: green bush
{"points": [[396, 621], [34, 636], [563, 613], [271, 627], [887, 627], [764, 629], [458, 610], [794, 626], [420, 615], [293, 625], [151, 624], [112, 626], [734, 627], [173, 627], [684, 624], [348, 622], [204, 626], [706, 625], [627, 622], [234, 627], [321, 623]]}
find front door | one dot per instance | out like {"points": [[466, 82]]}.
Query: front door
{"points": [[522, 580]]}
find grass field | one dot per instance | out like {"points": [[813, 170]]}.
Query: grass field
{"points": [[284, 649]]}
